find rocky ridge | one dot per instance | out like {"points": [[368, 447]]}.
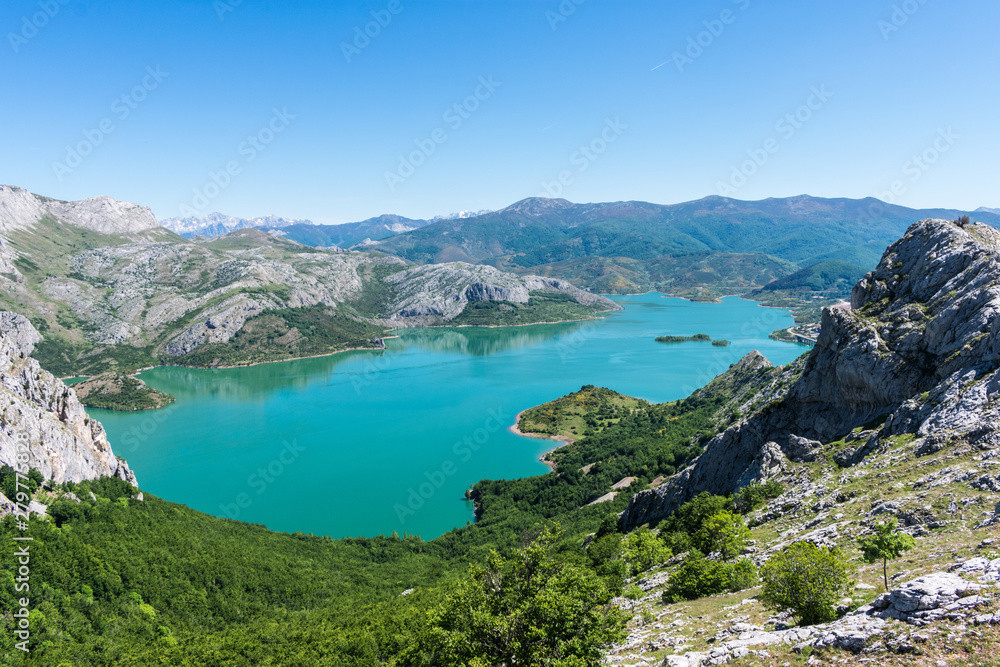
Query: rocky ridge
{"points": [[41, 412], [20, 209], [129, 285], [438, 292], [918, 354]]}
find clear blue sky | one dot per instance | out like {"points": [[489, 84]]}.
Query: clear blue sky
{"points": [[671, 133]]}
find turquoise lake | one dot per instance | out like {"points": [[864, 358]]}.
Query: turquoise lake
{"points": [[371, 442]]}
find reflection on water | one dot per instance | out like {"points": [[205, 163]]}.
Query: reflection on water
{"points": [[482, 342], [256, 381]]}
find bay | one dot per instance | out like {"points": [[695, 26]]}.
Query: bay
{"points": [[375, 442]]}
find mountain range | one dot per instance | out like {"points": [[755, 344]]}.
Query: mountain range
{"points": [[700, 249], [110, 289]]}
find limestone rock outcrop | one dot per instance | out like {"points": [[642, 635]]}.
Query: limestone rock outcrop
{"points": [[918, 353], [42, 416], [436, 293], [20, 208]]}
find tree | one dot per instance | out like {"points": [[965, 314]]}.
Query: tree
{"points": [[529, 609], [690, 516], [696, 578], [724, 532], [886, 544], [807, 579], [642, 550]]}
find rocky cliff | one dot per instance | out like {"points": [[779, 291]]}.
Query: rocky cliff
{"points": [[111, 289], [41, 413], [918, 353], [434, 293], [21, 209]]}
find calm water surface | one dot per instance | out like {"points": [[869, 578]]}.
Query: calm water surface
{"points": [[370, 442]]}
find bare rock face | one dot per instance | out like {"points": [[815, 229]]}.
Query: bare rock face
{"points": [[38, 410], [19, 331], [919, 351], [436, 293], [19, 209]]}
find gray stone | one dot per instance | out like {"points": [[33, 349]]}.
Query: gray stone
{"points": [[40, 412]]}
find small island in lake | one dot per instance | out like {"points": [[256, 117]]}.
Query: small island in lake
{"points": [[117, 391], [704, 338]]}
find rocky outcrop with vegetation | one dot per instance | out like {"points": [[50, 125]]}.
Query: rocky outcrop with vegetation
{"points": [[111, 290], [917, 355], [43, 417]]}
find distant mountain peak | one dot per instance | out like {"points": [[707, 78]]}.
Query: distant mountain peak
{"points": [[216, 224], [461, 215], [984, 209], [538, 206]]}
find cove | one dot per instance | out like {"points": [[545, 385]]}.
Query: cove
{"points": [[371, 442]]}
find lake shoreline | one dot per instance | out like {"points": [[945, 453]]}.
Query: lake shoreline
{"points": [[564, 439]]}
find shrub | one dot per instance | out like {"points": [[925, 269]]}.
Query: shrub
{"points": [[642, 550], [698, 577], [690, 516], [526, 610], [744, 575], [807, 579], [756, 495]]}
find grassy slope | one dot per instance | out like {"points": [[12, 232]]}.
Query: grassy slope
{"points": [[115, 391], [583, 412], [541, 307], [289, 333]]}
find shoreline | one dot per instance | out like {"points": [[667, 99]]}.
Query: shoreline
{"points": [[136, 372], [507, 326], [564, 439]]}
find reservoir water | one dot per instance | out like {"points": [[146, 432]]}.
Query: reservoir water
{"points": [[371, 442]]}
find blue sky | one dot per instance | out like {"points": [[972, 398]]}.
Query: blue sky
{"points": [[257, 107]]}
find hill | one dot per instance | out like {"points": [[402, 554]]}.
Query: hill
{"points": [[538, 232], [109, 289]]}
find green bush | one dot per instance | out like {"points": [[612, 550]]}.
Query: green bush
{"points": [[526, 610], [691, 516], [807, 579], [697, 578], [744, 575], [756, 495], [642, 550]]}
